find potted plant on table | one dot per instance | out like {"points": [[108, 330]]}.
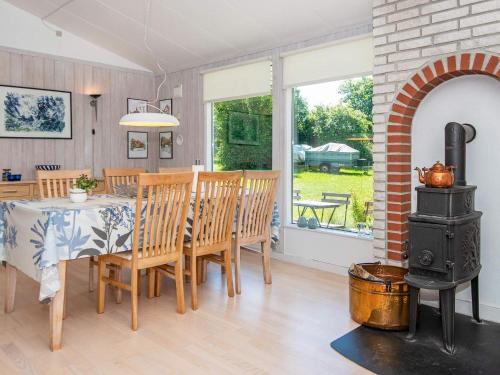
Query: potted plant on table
{"points": [[83, 186]]}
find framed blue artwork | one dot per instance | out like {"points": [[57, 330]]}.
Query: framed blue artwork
{"points": [[35, 113]]}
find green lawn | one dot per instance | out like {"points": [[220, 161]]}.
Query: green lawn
{"points": [[312, 184]]}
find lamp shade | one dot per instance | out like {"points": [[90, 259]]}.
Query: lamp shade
{"points": [[151, 119]]}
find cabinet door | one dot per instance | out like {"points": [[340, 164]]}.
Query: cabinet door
{"points": [[428, 246]]}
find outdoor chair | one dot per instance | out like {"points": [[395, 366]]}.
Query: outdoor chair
{"points": [[295, 198], [341, 199]]}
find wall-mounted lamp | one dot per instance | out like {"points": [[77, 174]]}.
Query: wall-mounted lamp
{"points": [[93, 103]]}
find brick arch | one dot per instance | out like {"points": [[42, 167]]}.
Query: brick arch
{"points": [[400, 119]]}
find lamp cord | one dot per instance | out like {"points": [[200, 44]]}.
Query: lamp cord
{"points": [[146, 44]]}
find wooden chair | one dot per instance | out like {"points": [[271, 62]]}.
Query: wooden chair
{"points": [[339, 198], [120, 176], [254, 218], [112, 178], [157, 239], [174, 170], [213, 219], [56, 184]]}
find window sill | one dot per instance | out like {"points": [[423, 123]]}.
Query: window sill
{"points": [[333, 232]]}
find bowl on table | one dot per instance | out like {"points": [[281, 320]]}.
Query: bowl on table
{"points": [[47, 167]]}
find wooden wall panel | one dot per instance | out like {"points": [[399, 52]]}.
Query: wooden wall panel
{"points": [[108, 147]]}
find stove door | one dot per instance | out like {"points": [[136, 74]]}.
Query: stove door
{"points": [[428, 246]]}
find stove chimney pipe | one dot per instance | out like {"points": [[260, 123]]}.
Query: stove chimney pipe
{"points": [[455, 137]]}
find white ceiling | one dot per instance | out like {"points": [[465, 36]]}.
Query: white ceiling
{"points": [[187, 33]]}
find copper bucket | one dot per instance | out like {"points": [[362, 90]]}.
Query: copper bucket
{"points": [[380, 304]]}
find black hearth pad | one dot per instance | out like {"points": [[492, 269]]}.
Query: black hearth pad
{"points": [[386, 353]]}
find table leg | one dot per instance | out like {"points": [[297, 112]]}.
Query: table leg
{"points": [[10, 287], [316, 216], [56, 311], [331, 217]]}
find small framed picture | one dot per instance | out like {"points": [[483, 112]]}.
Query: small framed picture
{"points": [[166, 106], [136, 105], [137, 145], [166, 145]]}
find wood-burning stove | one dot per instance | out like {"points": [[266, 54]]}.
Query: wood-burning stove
{"points": [[444, 240]]}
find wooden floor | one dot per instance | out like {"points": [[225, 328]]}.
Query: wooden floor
{"points": [[283, 328]]}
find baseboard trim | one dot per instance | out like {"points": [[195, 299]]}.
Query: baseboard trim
{"points": [[486, 312], [311, 263]]}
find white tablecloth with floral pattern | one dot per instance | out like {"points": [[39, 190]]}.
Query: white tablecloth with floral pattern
{"points": [[36, 235]]}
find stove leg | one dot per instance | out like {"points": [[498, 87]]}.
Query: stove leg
{"points": [[413, 311], [447, 299], [475, 298]]}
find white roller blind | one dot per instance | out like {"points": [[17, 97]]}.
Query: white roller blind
{"points": [[331, 63], [240, 81]]}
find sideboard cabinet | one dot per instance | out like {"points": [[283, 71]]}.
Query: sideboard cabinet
{"points": [[29, 190]]}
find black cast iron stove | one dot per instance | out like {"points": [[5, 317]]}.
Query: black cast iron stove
{"points": [[444, 240]]}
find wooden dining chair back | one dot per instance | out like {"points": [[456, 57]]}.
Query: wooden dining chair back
{"points": [[159, 231], [255, 213], [215, 205], [213, 219], [160, 219], [56, 184], [114, 177], [174, 169]]}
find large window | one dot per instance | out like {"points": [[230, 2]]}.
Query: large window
{"points": [[239, 103], [332, 154], [242, 133]]}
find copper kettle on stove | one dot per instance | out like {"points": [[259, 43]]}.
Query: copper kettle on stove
{"points": [[437, 176]]}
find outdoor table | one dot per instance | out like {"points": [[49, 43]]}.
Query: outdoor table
{"points": [[313, 206], [39, 237]]}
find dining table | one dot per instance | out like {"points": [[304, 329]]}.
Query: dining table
{"points": [[38, 238]]}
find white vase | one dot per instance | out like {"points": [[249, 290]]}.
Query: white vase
{"points": [[77, 195]]}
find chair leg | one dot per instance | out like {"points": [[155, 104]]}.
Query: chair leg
{"points": [[179, 287], [91, 274], [139, 282], [266, 261], [205, 271], [229, 272], [237, 267], [345, 216], [134, 297], [101, 286], [158, 283], [199, 267], [118, 291], [194, 286], [151, 282], [187, 265]]}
